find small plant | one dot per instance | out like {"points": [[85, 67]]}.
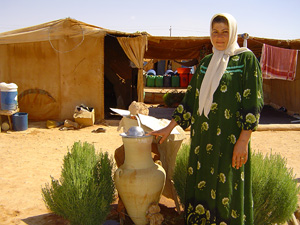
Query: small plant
{"points": [[85, 190], [172, 99], [275, 192], [180, 171]]}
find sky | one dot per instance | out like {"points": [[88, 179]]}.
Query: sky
{"points": [[260, 18]]}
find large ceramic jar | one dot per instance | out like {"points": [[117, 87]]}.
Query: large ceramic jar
{"points": [[139, 180]]}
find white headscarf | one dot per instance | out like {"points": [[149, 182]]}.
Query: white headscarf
{"points": [[218, 65]]}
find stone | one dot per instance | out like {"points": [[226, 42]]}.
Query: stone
{"points": [[138, 108]]}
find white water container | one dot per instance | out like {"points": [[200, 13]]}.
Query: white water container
{"points": [[9, 96]]}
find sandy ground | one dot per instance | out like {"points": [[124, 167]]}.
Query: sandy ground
{"points": [[28, 158]]}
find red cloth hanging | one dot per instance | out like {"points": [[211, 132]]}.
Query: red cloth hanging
{"points": [[278, 63]]}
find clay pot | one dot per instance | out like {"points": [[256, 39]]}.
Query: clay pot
{"points": [[139, 180]]}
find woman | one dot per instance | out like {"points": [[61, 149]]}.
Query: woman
{"points": [[222, 105]]}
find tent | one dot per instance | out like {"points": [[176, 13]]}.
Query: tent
{"points": [[278, 93], [64, 63]]}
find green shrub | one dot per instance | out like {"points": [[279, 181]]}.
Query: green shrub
{"points": [[180, 171], [172, 99], [275, 192], [85, 191]]}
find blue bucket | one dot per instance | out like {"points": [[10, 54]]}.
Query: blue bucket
{"points": [[9, 96], [9, 100], [20, 121]]}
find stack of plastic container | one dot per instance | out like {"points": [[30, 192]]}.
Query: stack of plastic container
{"points": [[167, 78], [175, 82], [150, 78], [181, 78], [159, 81], [184, 76]]}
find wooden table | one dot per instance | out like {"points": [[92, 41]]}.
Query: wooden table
{"points": [[8, 113]]}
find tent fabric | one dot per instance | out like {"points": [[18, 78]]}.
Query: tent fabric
{"points": [[119, 74], [135, 49], [176, 48], [53, 30], [64, 58], [70, 69], [181, 48], [283, 93], [278, 63]]}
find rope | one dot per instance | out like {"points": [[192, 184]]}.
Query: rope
{"points": [[70, 49]]}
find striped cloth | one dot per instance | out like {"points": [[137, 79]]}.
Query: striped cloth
{"points": [[278, 63]]}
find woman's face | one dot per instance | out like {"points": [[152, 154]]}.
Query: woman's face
{"points": [[220, 36]]}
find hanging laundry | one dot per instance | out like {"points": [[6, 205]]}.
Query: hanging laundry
{"points": [[278, 63]]}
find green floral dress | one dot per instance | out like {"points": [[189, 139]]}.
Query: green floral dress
{"points": [[217, 193]]}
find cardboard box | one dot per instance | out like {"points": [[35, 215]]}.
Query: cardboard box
{"points": [[85, 117]]}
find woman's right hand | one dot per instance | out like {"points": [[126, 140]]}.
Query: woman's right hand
{"points": [[164, 132]]}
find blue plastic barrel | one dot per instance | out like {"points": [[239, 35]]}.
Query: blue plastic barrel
{"points": [[20, 121], [9, 100]]}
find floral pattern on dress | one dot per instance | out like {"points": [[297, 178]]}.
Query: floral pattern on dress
{"points": [[204, 126], [236, 105]]}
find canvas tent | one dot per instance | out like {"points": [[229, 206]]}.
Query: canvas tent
{"points": [[279, 93], [61, 64], [64, 63]]}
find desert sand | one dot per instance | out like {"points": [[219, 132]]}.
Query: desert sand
{"points": [[28, 158]]}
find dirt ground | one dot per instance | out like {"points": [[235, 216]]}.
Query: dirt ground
{"points": [[28, 158]]}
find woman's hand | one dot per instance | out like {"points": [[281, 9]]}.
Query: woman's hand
{"points": [[164, 132], [240, 150]]}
